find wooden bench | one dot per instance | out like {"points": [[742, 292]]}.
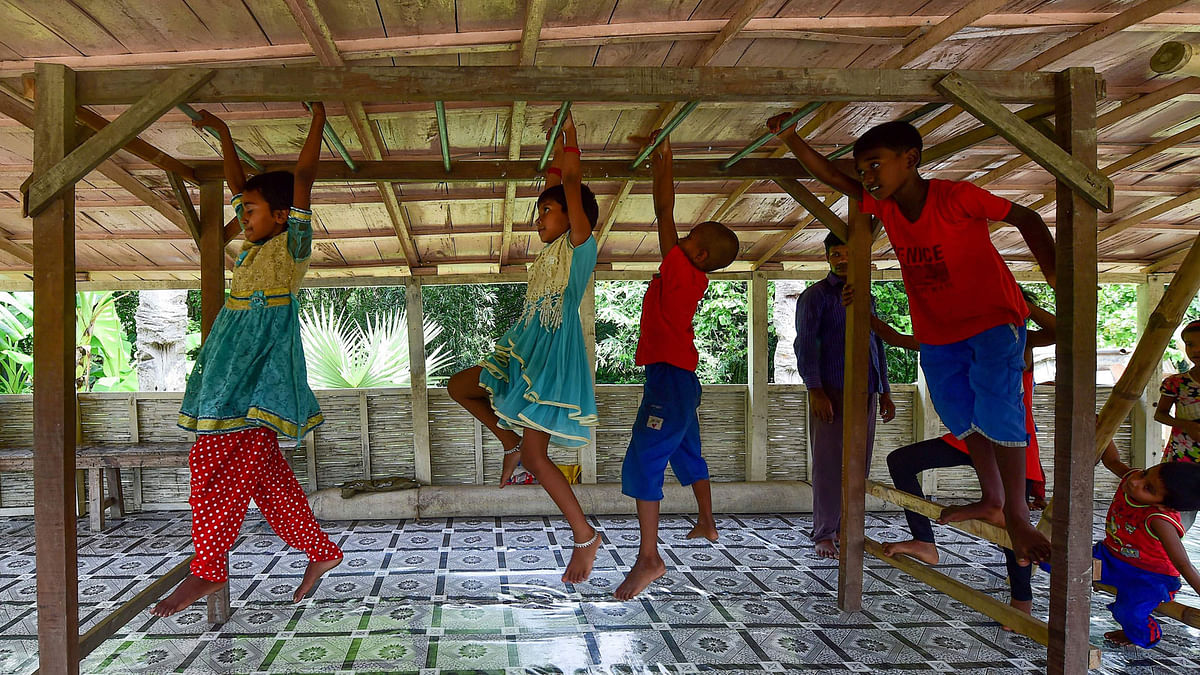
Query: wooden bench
{"points": [[103, 463]]}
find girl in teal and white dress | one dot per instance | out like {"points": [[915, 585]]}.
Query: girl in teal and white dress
{"points": [[250, 381], [538, 379]]}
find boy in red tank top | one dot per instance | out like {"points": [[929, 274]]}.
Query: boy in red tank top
{"points": [[967, 310], [1142, 554], [667, 429]]}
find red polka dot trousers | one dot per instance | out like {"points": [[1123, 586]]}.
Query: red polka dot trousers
{"points": [[230, 469]]}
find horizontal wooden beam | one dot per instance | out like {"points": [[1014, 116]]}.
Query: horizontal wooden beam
{"points": [[978, 528], [116, 620], [144, 111], [1090, 184], [557, 83], [503, 170]]}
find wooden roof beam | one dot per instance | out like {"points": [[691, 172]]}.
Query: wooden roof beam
{"points": [[316, 31], [535, 13]]}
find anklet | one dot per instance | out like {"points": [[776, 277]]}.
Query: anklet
{"points": [[515, 449], [589, 542]]}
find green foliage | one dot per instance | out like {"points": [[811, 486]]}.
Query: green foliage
{"points": [[891, 304], [618, 318], [104, 353], [342, 355], [16, 331], [473, 317]]}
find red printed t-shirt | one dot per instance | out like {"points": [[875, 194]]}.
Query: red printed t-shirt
{"points": [[1033, 458], [956, 281], [1129, 536], [667, 311]]}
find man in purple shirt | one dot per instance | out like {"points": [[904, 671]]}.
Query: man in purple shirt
{"points": [[821, 358]]}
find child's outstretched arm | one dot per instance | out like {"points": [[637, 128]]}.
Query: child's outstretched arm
{"points": [[306, 164], [817, 164], [664, 194], [1173, 546], [235, 177], [572, 180], [1047, 331], [892, 336], [1162, 415], [1037, 237], [1112, 461]]}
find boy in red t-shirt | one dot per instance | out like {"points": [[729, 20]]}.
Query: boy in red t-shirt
{"points": [[1142, 554], [667, 429], [967, 310]]}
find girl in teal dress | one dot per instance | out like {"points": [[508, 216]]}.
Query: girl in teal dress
{"points": [[538, 379], [250, 382]]}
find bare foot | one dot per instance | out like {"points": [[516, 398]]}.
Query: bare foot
{"points": [[1037, 503], [826, 549], [1023, 605], [580, 566], [1028, 544], [973, 511], [313, 572], [925, 551], [1117, 637], [188, 591], [643, 573], [511, 460], [706, 530]]}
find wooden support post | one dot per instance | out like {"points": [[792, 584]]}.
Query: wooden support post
{"points": [[310, 459], [135, 438], [1086, 179], [925, 426], [587, 316], [478, 452], [1147, 434], [212, 253], [364, 428], [54, 411], [61, 175], [1075, 395], [854, 415], [95, 486], [415, 311], [757, 402]]}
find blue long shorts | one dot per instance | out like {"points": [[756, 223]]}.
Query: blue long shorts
{"points": [[1139, 592], [667, 430], [975, 384]]}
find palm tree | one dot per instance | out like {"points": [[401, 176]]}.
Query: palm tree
{"points": [[341, 355]]}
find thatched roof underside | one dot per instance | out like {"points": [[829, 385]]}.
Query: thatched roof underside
{"points": [[457, 227]]}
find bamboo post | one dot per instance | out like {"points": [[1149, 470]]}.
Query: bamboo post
{"points": [[364, 422], [1075, 397], [757, 403], [54, 417], [587, 317], [415, 312], [854, 414], [1147, 434], [925, 426]]}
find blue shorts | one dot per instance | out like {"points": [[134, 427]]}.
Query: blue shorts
{"points": [[1139, 593], [975, 384], [667, 430]]}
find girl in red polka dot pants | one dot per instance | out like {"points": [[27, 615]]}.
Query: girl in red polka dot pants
{"points": [[250, 382]]}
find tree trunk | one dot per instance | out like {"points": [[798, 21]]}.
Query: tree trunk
{"points": [[784, 316], [161, 340]]}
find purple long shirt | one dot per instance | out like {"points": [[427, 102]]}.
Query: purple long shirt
{"points": [[821, 339]]}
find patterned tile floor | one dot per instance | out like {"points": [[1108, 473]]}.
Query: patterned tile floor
{"points": [[483, 595]]}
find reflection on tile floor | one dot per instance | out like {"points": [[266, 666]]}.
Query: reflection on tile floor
{"points": [[483, 595]]}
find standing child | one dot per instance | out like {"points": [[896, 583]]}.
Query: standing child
{"points": [[250, 382], [967, 310], [1142, 554], [1183, 392], [667, 429], [538, 378]]}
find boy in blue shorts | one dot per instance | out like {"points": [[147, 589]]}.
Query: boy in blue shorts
{"points": [[667, 429], [967, 310]]}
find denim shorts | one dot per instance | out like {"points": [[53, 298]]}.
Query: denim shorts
{"points": [[667, 431], [975, 384]]}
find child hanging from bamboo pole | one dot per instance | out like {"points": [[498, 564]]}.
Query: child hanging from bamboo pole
{"points": [[250, 381], [968, 313], [667, 429], [538, 379], [1142, 554]]}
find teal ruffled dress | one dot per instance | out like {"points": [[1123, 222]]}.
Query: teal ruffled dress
{"points": [[251, 370], [538, 375]]}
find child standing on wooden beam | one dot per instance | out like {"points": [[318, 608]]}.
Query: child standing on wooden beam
{"points": [[538, 379], [667, 429], [967, 309], [250, 382]]}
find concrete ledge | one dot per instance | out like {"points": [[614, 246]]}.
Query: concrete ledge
{"points": [[454, 501]]}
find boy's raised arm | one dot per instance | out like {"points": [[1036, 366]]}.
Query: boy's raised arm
{"points": [[235, 177], [817, 164], [664, 194], [1037, 236], [306, 164]]}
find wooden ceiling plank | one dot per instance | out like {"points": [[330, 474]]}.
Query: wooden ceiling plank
{"points": [[535, 14]]}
